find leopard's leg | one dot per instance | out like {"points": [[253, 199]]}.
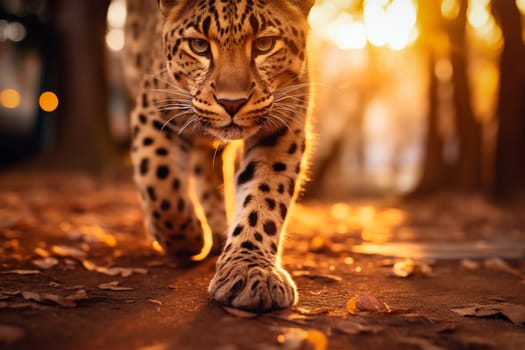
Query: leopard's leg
{"points": [[161, 169], [209, 187], [249, 274]]}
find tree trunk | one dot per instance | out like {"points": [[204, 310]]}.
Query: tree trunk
{"points": [[468, 167], [83, 139], [509, 177], [434, 169]]}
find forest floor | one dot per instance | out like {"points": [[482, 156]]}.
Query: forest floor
{"points": [[76, 272]]}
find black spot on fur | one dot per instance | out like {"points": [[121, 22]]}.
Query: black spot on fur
{"points": [[151, 193], [254, 23], [258, 237], [271, 140], [198, 170], [237, 231], [161, 151], [252, 218], [143, 119], [273, 247], [270, 203], [248, 245], [165, 204], [144, 166], [264, 188], [247, 200], [175, 184], [280, 189], [278, 166], [283, 210], [147, 141], [206, 25], [247, 174], [163, 171], [293, 148], [270, 228], [291, 186], [180, 204]]}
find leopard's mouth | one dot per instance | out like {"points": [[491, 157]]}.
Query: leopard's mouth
{"points": [[232, 131]]}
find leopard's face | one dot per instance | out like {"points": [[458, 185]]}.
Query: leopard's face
{"points": [[240, 64]]}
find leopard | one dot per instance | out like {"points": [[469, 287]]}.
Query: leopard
{"points": [[205, 74]]}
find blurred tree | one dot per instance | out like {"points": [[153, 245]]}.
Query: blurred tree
{"points": [[434, 169], [464, 171], [83, 139], [509, 176]]}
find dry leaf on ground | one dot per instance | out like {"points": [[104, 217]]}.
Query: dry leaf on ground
{"points": [[409, 267], [515, 313], [366, 303], [23, 272], [501, 265], [353, 328], [10, 334], [45, 263], [469, 264], [113, 285], [67, 251], [299, 339], [45, 298], [112, 271], [317, 276], [239, 313]]}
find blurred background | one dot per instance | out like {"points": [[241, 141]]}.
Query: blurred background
{"points": [[412, 97]]}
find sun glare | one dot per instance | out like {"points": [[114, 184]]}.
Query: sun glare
{"points": [[383, 23]]}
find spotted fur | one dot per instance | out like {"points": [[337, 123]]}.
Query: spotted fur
{"points": [[206, 72]]}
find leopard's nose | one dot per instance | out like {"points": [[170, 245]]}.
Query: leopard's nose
{"points": [[232, 106]]}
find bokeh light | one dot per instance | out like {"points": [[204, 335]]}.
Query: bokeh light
{"points": [[10, 98], [48, 101]]}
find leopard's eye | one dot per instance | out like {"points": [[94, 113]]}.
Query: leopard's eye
{"points": [[200, 46], [263, 45]]}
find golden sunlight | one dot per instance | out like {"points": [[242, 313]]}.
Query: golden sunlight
{"points": [[383, 23]]}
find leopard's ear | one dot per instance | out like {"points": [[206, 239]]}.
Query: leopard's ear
{"points": [[304, 5], [166, 5]]}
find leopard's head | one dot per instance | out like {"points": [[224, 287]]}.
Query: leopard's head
{"points": [[242, 63]]}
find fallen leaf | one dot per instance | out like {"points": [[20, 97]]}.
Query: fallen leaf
{"points": [[155, 301], [299, 339], [353, 328], [22, 272], [239, 313], [41, 252], [513, 312], [123, 271], [501, 265], [67, 251], [317, 276], [10, 334], [409, 267], [113, 285], [44, 298], [45, 263], [313, 312], [77, 295], [366, 303], [112, 271], [21, 305], [469, 264]]}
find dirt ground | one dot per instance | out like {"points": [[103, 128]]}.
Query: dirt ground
{"points": [[76, 272]]}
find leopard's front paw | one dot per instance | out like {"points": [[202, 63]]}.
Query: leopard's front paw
{"points": [[252, 287]]}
